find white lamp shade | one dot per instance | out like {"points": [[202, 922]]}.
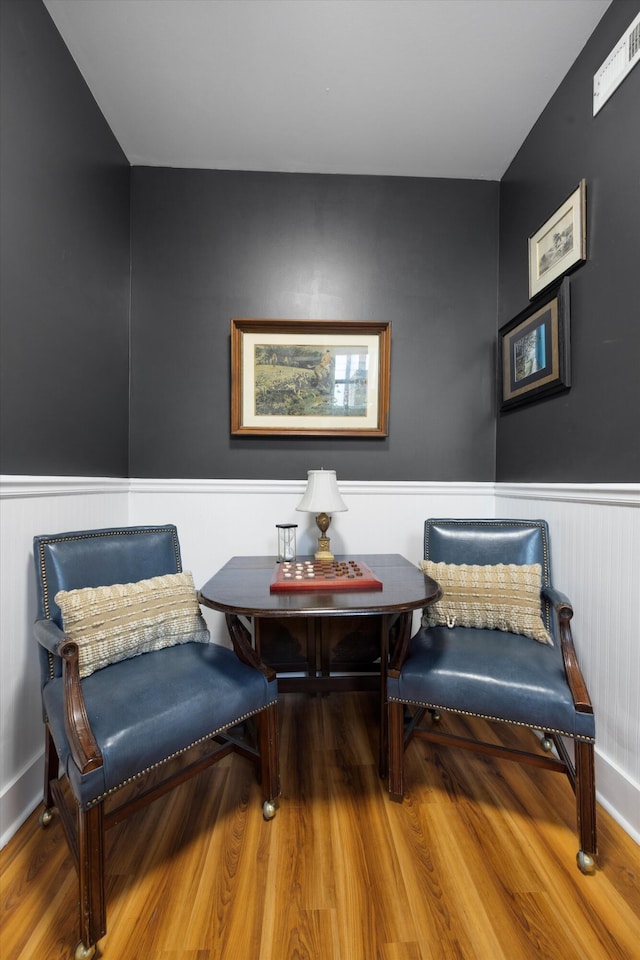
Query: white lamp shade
{"points": [[322, 494]]}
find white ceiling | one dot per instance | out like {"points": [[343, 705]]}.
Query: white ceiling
{"points": [[423, 88]]}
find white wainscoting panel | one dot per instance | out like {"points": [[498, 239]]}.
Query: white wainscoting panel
{"points": [[218, 519], [595, 547], [30, 506], [595, 537]]}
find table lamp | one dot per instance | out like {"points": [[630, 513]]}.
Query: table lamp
{"points": [[322, 497]]}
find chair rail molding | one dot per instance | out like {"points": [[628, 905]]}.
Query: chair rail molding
{"points": [[21, 487], [287, 487], [609, 494]]}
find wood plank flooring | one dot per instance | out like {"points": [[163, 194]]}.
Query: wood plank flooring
{"points": [[478, 863]]}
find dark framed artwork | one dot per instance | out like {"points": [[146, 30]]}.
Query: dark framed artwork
{"points": [[310, 377], [534, 349], [560, 244]]}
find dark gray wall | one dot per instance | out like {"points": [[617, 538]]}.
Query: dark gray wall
{"points": [[591, 433], [212, 245], [209, 245], [64, 262]]}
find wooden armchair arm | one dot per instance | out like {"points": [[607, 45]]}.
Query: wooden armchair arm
{"points": [[82, 744], [241, 640], [564, 612]]}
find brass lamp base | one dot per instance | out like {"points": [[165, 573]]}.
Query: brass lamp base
{"points": [[323, 552]]}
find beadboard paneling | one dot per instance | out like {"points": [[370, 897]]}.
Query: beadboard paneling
{"points": [[595, 546], [595, 534], [218, 519], [30, 506]]}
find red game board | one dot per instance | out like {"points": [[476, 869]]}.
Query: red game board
{"points": [[323, 575]]}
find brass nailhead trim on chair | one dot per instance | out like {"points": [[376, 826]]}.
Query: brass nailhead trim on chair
{"points": [[484, 716], [177, 753]]}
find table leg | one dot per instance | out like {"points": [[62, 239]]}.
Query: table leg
{"points": [[314, 644], [383, 757], [255, 633], [400, 624]]}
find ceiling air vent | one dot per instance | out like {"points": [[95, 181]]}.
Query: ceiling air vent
{"points": [[615, 68]]}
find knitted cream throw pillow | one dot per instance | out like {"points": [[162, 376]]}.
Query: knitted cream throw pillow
{"points": [[127, 619], [501, 597]]}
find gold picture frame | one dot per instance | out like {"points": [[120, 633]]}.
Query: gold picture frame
{"points": [[310, 377], [560, 244]]}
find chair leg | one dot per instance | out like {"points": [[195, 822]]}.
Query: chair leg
{"points": [[396, 751], [267, 721], [93, 925], [51, 767], [586, 805]]}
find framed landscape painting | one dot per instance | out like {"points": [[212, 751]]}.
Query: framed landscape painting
{"points": [[534, 350], [310, 377]]}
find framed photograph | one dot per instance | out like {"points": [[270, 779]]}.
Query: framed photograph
{"points": [[560, 244], [534, 350], [310, 377]]}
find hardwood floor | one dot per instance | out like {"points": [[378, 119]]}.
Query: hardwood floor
{"points": [[478, 863]]}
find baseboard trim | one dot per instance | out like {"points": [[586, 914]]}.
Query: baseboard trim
{"points": [[14, 805], [613, 782]]}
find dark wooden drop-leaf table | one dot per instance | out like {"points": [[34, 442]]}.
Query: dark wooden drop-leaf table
{"points": [[240, 589]]}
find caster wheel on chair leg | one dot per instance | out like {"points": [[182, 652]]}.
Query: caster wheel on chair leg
{"points": [[268, 810], [586, 862], [84, 953], [45, 817]]}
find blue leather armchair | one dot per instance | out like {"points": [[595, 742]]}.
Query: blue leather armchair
{"points": [[110, 728], [496, 675]]}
